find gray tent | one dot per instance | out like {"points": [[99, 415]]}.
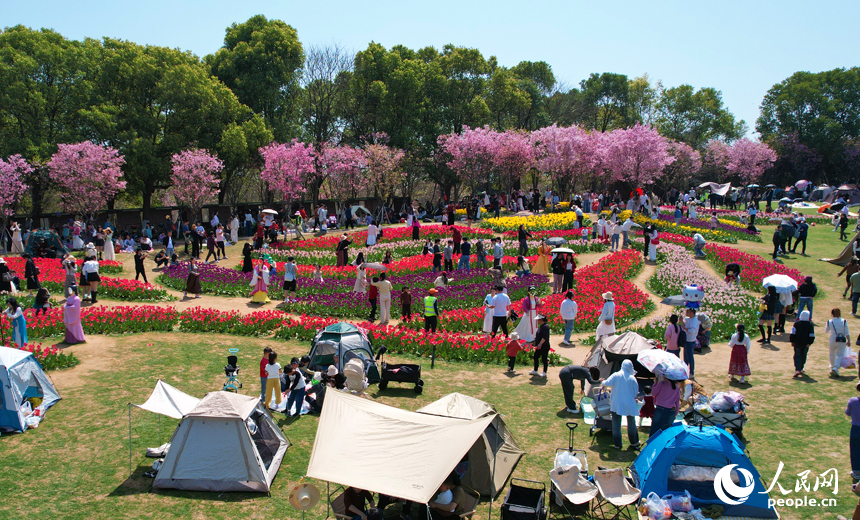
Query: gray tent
{"points": [[847, 192], [343, 341], [22, 379], [228, 442], [610, 351], [45, 240]]}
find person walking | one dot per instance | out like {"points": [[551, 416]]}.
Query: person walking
{"points": [[72, 318], [691, 329], [431, 311], [541, 343], [673, 335], [606, 320], [667, 401], [501, 306], [768, 310], [211, 248], [843, 225], [852, 410], [558, 266], [498, 253], [384, 287], [522, 237], [807, 292], [568, 310], [465, 255], [512, 349], [569, 270], [572, 373], [437, 256], [802, 335], [739, 360], [219, 242], [15, 315], [90, 270], [273, 380], [622, 403], [837, 327], [139, 268], [802, 232], [290, 280]]}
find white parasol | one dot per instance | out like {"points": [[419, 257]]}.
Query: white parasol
{"points": [[783, 283], [564, 250], [663, 363], [269, 212]]}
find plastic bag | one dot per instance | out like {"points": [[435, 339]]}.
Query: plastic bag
{"points": [[849, 359], [655, 508], [566, 459], [680, 503]]}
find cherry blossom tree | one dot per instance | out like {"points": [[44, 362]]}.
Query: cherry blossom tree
{"points": [[513, 156], [87, 175], [687, 163], [12, 173], [566, 154], [343, 169], [749, 159], [195, 179], [469, 154], [286, 167], [383, 169], [637, 155], [715, 158]]}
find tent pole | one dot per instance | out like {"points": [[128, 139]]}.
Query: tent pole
{"points": [[492, 485], [129, 441], [159, 429]]}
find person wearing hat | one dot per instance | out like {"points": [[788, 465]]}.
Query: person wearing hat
{"points": [[431, 311], [606, 320], [72, 318], [512, 349], [541, 343], [6, 277]]}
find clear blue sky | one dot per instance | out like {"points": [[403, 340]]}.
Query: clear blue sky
{"points": [[739, 47]]}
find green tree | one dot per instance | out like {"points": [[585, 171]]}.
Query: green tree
{"points": [[238, 149], [46, 84], [325, 82], [696, 116], [261, 63], [607, 100], [643, 98]]}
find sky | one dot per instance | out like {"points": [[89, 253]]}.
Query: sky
{"points": [[741, 48]]}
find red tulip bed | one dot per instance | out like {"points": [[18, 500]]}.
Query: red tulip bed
{"points": [[51, 358], [53, 276]]}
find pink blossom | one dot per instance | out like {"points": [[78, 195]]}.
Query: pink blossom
{"points": [[12, 172], [635, 155], [287, 167], [749, 160], [88, 176], [566, 153], [195, 180]]}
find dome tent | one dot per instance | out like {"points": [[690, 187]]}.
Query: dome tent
{"points": [[688, 458], [22, 378], [343, 341]]}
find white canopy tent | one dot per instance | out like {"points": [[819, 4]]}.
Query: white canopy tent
{"points": [[387, 450]]}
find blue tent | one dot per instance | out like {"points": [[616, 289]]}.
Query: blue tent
{"points": [[22, 379], [688, 458]]}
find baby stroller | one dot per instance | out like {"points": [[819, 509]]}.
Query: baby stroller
{"points": [[231, 370], [523, 502], [399, 373], [356, 381]]}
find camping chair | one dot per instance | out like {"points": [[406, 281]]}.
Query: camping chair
{"points": [[470, 502], [616, 493], [572, 493], [337, 505]]}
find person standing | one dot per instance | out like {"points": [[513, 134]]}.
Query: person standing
{"points": [[109, 245], [234, 229], [569, 271], [448, 255], [481, 254], [768, 312], [807, 292], [606, 320], [297, 389], [652, 244], [498, 253], [72, 318], [691, 329], [457, 238], [558, 267], [568, 312], [167, 242], [90, 270], [802, 335], [843, 225], [416, 225], [572, 373], [290, 280], [219, 241], [349, 223], [512, 349], [852, 410], [625, 232], [739, 361], [17, 243], [15, 315], [837, 327], [437, 256], [488, 311], [501, 306], [247, 264], [528, 326], [541, 343], [542, 263], [465, 255], [273, 380], [405, 304], [431, 311], [622, 403], [139, 268], [522, 237], [673, 336], [384, 287], [263, 374], [667, 401], [260, 284], [342, 250], [802, 232], [31, 273], [192, 283], [372, 297]]}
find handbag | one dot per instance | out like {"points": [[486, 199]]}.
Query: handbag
{"points": [[762, 307], [840, 338], [8, 277]]}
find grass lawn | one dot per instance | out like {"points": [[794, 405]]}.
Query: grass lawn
{"points": [[76, 464]]}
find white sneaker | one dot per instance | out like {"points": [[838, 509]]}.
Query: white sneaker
{"points": [[572, 410], [564, 343], [543, 374], [533, 372]]}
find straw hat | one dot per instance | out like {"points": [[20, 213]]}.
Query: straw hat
{"points": [[515, 336], [607, 296], [332, 371]]}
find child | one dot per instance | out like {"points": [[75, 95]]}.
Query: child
{"points": [[405, 304], [511, 350], [449, 256], [372, 294], [647, 409], [585, 234], [317, 274], [739, 361]]}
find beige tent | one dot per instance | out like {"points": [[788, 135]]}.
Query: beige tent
{"points": [[228, 442], [609, 352], [396, 452], [494, 455]]}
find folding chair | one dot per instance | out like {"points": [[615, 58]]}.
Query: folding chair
{"points": [[470, 502], [572, 493], [616, 494], [337, 505]]}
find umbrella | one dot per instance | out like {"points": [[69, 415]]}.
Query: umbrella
{"points": [[752, 185], [562, 250], [676, 301], [270, 212], [774, 186], [801, 184], [663, 363], [823, 208], [837, 206], [775, 220], [377, 266], [555, 241], [786, 200], [783, 283]]}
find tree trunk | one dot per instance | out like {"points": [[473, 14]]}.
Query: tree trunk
{"points": [[147, 201]]}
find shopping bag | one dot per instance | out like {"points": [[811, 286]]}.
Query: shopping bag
{"points": [[849, 359], [655, 508]]}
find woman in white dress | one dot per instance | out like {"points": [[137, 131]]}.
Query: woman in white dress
{"points": [[652, 245], [527, 327], [77, 240], [17, 243], [110, 247], [606, 320], [488, 312], [234, 229], [360, 280], [372, 230]]}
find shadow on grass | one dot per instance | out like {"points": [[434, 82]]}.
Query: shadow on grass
{"points": [[136, 484], [400, 391]]}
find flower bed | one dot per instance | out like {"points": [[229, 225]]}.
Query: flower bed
{"points": [[671, 227], [545, 221], [390, 235], [726, 305], [722, 225], [99, 320], [51, 358]]}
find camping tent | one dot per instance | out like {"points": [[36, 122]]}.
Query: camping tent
{"points": [[345, 341], [228, 442], [821, 192], [387, 450], [494, 455], [21, 379], [44, 239], [609, 352], [689, 457], [847, 253], [848, 192]]}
